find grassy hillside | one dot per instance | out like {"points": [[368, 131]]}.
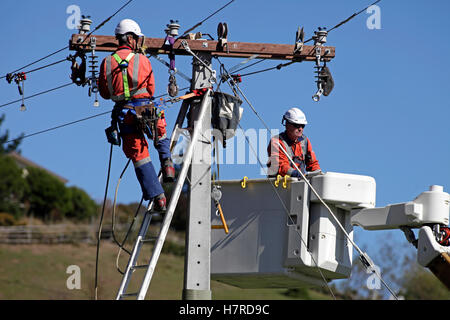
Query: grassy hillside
{"points": [[39, 272]]}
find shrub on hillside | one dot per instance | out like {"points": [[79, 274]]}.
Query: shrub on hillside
{"points": [[12, 187], [82, 207], [48, 197]]}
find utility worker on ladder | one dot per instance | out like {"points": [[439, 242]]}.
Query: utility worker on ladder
{"points": [[296, 145], [126, 77]]}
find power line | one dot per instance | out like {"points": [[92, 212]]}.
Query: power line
{"points": [[46, 66], [286, 64], [70, 123], [348, 19], [107, 19], [57, 127], [208, 17], [250, 65], [281, 65], [37, 94], [364, 258], [66, 47], [30, 64]]}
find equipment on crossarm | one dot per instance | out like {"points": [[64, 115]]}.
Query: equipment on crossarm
{"points": [[171, 34], [325, 82]]}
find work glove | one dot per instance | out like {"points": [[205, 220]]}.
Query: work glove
{"points": [[314, 173], [113, 136]]}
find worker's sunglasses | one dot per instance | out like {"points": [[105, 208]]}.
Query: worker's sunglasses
{"points": [[298, 126]]}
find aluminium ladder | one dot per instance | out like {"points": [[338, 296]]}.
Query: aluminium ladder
{"points": [[159, 240]]}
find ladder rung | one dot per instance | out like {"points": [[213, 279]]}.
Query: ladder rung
{"points": [[151, 239], [143, 266], [124, 295]]}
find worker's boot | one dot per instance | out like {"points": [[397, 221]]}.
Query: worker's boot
{"points": [[159, 204], [168, 170]]}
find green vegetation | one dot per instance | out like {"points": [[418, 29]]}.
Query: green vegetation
{"points": [[5, 145], [38, 272], [13, 187], [33, 191]]}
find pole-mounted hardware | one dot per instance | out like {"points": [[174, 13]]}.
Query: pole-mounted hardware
{"points": [[324, 80], [299, 40], [222, 34], [93, 87], [171, 33], [85, 25]]}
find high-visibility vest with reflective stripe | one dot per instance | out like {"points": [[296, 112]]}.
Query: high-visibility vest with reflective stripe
{"points": [[123, 64]]}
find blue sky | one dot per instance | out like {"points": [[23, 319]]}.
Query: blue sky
{"points": [[387, 117]]}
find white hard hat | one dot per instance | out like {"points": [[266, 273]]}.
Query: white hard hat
{"points": [[128, 26], [295, 115]]}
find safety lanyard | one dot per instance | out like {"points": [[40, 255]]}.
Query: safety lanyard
{"points": [[123, 64]]}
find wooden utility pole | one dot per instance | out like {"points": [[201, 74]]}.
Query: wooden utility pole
{"points": [[198, 235]]}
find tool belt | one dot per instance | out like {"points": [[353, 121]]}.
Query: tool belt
{"points": [[146, 118]]}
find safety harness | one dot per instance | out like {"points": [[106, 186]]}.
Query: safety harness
{"points": [[123, 65], [144, 116]]}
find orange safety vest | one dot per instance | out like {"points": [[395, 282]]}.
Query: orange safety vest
{"points": [[134, 68], [300, 151]]}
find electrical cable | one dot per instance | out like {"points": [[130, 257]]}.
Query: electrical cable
{"points": [[286, 64], [106, 20], [282, 202], [348, 19], [113, 216], [30, 64], [66, 47], [279, 66], [40, 68], [126, 236], [201, 22], [101, 224], [365, 260], [113, 223], [37, 94], [250, 65], [290, 218], [57, 127], [72, 122]]}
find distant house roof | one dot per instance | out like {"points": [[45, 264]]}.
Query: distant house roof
{"points": [[24, 162]]}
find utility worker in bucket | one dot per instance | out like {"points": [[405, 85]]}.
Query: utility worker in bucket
{"points": [[296, 145], [126, 77]]}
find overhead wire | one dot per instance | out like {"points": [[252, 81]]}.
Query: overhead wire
{"points": [[279, 66], [39, 60], [281, 200], [69, 123], [37, 94], [347, 20], [364, 258], [66, 47], [290, 218], [208, 17], [250, 65], [99, 232]]}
